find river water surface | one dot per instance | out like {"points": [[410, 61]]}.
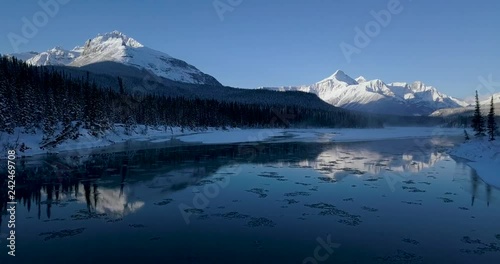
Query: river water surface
{"points": [[390, 201]]}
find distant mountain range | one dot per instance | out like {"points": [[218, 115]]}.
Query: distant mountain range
{"points": [[117, 47], [115, 54], [146, 71], [485, 108], [376, 96]]}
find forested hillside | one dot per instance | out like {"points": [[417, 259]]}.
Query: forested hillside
{"points": [[41, 99]]}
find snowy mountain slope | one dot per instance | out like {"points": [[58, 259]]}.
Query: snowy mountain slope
{"points": [[24, 56], [117, 47], [378, 97], [55, 56], [496, 99], [485, 108]]}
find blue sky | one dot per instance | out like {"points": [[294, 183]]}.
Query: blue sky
{"points": [[447, 44]]}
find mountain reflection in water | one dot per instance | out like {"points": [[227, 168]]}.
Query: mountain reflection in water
{"points": [[358, 185]]}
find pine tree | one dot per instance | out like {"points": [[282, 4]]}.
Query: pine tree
{"points": [[50, 121], [120, 84], [478, 120], [7, 123], [492, 126], [466, 135]]}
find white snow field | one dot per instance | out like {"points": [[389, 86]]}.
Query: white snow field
{"points": [[483, 156], [218, 136]]}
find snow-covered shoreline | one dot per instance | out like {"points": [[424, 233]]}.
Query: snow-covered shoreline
{"points": [[483, 156], [219, 136]]}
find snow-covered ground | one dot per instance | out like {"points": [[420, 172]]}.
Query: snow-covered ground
{"points": [[483, 156], [218, 136], [87, 141]]}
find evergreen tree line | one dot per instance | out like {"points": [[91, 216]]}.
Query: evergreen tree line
{"points": [[37, 98], [478, 121]]}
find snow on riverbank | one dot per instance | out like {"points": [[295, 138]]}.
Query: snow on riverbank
{"points": [[319, 134], [86, 141], [219, 136], [483, 156]]}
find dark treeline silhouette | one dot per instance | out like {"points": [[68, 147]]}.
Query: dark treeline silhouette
{"points": [[38, 98]]}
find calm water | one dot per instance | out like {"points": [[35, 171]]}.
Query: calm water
{"points": [[395, 201]]}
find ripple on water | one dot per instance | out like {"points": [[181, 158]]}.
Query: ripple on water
{"points": [[353, 171], [232, 215], [271, 175], [260, 221], [194, 211], [329, 209], [62, 233], [369, 209], [481, 247], [413, 189], [204, 182], [86, 215], [410, 241], [54, 220], [372, 179], [327, 179], [401, 257], [259, 191], [293, 194], [411, 203], [164, 202], [446, 200]]}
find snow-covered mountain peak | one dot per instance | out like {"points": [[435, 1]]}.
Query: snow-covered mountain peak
{"points": [[119, 48], [340, 76], [117, 35], [57, 49], [398, 98], [376, 86], [114, 40], [376, 82], [360, 79], [419, 86]]}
